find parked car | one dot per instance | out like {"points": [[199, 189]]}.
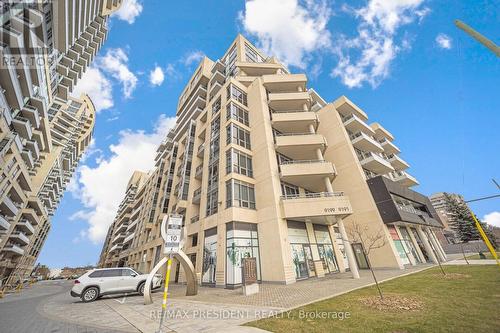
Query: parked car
{"points": [[105, 281]]}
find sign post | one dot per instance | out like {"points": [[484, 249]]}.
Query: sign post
{"points": [[171, 231]]}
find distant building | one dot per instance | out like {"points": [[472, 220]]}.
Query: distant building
{"points": [[438, 200], [68, 272]]}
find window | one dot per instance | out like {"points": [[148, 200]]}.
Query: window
{"points": [[237, 94], [238, 135], [237, 113], [289, 190], [251, 54], [241, 242], [111, 273], [96, 274], [239, 162], [194, 240], [240, 194], [216, 106], [128, 272]]}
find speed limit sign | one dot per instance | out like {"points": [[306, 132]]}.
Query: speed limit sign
{"points": [[173, 234]]}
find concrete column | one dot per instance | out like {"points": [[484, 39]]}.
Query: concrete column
{"points": [[428, 248], [338, 255], [435, 245], [415, 244], [311, 129], [439, 246], [348, 250], [319, 155], [413, 262], [318, 263]]}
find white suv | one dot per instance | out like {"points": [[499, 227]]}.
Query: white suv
{"points": [[105, 281]]}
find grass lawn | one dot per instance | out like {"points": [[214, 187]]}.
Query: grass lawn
{"points": [[465, 304], [487, 254]]}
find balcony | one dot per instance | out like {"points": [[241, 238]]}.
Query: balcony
{"points": [[404, 178], [397, 162], [201, 150], [4, 224], [322, 207], [199, 172], [389, 147], [308, 174], [117, 238], [355, 123], [33, 147], [20, 237], [26, 227], [115, 248], [258, 68], [30, 214], [8, 207], [294, 120], [22, 127], [299, 146], [129, 238], [28, 158], [14, 249], [197, 196], [131, 226], [284, 83], [289, 101], [375, 163], [362, 141], [32, 115]]}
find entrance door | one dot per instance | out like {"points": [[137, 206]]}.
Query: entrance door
{"points": [[360, 256], [299, 261], [328, 258]]}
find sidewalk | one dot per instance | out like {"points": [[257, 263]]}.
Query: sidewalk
{"points": [[471, 262], [213, 309]]}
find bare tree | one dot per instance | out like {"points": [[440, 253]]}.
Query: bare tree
{"points": [[369, 241]]}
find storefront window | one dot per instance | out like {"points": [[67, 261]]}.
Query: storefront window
{"points": [[409, 243], [241, 242], [209, 256], [325, 249], [399, 245], [301, 250]]}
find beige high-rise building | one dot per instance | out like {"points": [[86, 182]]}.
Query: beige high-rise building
{"points": [[45, 48], [439, 203], [259, 165]]}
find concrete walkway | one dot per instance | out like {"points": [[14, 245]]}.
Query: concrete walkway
{"points": [[213, 309], [472, 262]]}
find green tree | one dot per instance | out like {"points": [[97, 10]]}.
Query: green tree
{"points": [[463, 224]]}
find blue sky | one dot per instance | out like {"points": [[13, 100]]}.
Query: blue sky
{"points": [[438, 96]]}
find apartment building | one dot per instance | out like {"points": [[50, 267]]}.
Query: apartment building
{"points": [[261, 166], [45, 48], [439, 203]]}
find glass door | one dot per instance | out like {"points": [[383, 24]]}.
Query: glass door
{"points": [[299, 261], [310, 262], [328, 258], [360, 256]]}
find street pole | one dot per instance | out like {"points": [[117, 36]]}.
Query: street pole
{"points": [[165, 293], [477, 36]]}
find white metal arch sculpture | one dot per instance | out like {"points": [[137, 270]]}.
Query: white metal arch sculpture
{"points": [[187, 265]]}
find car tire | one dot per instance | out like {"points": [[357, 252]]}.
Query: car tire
{"points": [[90, 294], [141, 288]]}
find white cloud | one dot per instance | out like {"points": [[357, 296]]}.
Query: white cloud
{"points": [[156, 76], [368, 56], [101, 188], [115, 63], [193, 57], [288, 29], [97, 86], [129, 11], [443, 41], [492, 218]]}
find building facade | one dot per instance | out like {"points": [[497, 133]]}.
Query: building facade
{"points": [[261, 166], [45, 48], [439, 203]]}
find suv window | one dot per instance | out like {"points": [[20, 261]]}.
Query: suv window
{"points": [[111, 272], [95, 274], [127, 272]]}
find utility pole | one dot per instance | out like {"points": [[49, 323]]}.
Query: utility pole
{"points": [[480, 38]]}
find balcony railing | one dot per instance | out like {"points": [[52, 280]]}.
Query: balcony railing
{"points": [[302, 162], [312, 195], [294, 134]]}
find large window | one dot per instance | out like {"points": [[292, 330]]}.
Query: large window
{"points": [[238, 135], [242, 242], [209, 256], [239, 162], [237, 113], [289, 190], [252, 55], [239, 194], [237, 94]]}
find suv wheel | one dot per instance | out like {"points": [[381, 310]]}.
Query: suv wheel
{"points": [[141, 288], [90, 294]]}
